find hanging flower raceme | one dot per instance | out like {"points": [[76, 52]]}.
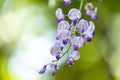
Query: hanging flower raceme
{"points": [[74, 35]]}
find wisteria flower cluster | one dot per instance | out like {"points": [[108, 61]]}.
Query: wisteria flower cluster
{"points": [[74, 35]]}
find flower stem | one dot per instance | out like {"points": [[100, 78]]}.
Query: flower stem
{"points": [[81, 4], [66, 51]]}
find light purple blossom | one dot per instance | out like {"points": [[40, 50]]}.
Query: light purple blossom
{"points": [[78, 42], [74, 56], [64, 36], [82, 25], [63, 25], [55, 50], [59, 14], [90, 32], [92, 14], [89, 6], [90, 11], [54, 67], [67, 2], [74, 14]]}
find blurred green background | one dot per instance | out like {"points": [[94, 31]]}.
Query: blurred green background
{"points": [[28, 29]]}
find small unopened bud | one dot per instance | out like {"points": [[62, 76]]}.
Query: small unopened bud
{"points": [[42, 71], [67, 2]]}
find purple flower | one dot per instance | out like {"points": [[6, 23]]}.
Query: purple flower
{"points": [[67, 2], [59, 15], [88, 39], [74, 56], [74, 14], [57, 56], [83, 25], [90, 32], [54, 67], [89, 9], [78, 42], [53, 72], [63, 25], [65, 36], [90, 12], [42, 71], [70, 62], [93, 15], [89, 6], [55, 50]]}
